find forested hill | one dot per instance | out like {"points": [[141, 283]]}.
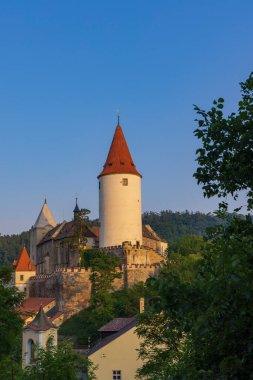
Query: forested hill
{"points": [[168, 224], [172, 225], [10, 246]]}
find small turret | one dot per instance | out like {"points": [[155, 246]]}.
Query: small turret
{"points": [[76, 210], [24, 268], [37, 333]]}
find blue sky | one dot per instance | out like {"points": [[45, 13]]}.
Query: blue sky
{"points": [[67, 67]]}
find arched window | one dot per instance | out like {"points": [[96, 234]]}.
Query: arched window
{"points": [[30, 351]]}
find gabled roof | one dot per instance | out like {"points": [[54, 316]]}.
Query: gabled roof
{"points": [[148, 232], [33, 304], [40, 322], [52, 233], [126, 327], [119, 159], [67, 230], [24, 263], [116, 324], [30, 306], [45, 217]]}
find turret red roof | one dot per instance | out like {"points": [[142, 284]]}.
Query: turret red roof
{"points": [[24, 263], [119, 159]]}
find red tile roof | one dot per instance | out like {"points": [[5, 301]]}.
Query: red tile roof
{"points": [[24, 263], [32, 304], [119, 159]]}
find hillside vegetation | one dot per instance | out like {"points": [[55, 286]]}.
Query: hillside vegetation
{"points": [[10, 246], [171, 226]]}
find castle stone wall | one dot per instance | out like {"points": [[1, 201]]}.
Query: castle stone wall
{"points": [[71, 287], [140, 273]]}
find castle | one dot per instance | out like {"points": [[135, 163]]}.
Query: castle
{"points": [[140, 249]]}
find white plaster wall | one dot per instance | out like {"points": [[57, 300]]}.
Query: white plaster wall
{"points": [[39, 337], [120, 210], [23, 285]]}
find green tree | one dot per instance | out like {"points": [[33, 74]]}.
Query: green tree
{"points": [[187, 245], [59, 363], [225, 158], [10, 321], [164, 324], [81, 223], [201, 325], [104, 270]]}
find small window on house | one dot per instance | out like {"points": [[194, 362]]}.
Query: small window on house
{"points": [[99, 184], [125, 181], [21, 277], [116, 375]]}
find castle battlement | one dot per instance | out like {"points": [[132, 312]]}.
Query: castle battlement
{"points": [[135, 266], [62, 269], [42, 277]]}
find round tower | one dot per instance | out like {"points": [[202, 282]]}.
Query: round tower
{"points": [[119, 196]]}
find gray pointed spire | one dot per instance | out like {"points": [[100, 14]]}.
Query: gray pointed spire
{"points": [[40, 322], [76, 209], [45, 217]]}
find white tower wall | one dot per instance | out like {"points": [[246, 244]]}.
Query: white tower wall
{"points": [[120, 209], [33, 338]]}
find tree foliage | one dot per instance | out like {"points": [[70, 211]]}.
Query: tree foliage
{"points": [[120, 303], [10, 321], [225, 158], [59, 363], [171, 225], [201, 325], [10, 246], [81, 221]]}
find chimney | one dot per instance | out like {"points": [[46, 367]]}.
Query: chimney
{"points": [[142, 305]]}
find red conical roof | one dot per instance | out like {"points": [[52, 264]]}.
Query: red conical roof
{"points": [[24, 263], [119, 159]]}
